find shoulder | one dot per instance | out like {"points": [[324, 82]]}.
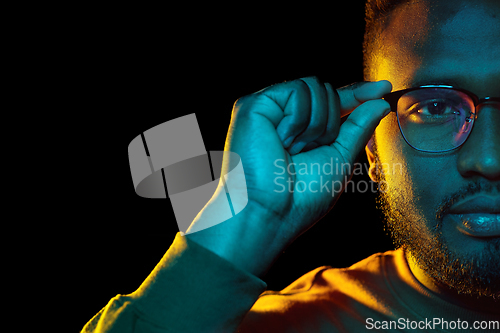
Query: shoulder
{"points": [[327, 292], [327, 278]]}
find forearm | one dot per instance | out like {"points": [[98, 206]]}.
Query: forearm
{"points": [[190, 290]]}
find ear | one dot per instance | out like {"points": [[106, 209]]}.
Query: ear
{"points": [[370, 153]]}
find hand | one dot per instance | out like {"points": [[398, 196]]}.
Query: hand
{"points": [[282, 134]]}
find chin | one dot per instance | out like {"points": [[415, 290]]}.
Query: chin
{"points": [[470, 270]]}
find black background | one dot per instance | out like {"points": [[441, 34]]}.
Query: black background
{"points": [[141, 67]]}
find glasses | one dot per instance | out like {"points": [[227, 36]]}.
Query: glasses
{"points": [[436, 118]]}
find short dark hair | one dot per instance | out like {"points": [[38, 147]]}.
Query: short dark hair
{"points": [[376, 14]]}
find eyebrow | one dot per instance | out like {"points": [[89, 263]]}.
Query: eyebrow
{"points": [[444, 81]]}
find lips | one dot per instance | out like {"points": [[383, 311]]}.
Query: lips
{"points": [[477, 216]]}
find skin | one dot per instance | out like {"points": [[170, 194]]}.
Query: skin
{"points": [[442, 42]]}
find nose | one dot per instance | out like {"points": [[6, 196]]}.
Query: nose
{"points": [[480, 154]]}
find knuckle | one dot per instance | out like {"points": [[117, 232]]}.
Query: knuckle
{"points": [[333, 96], [243, 105], [312, 79], [240, 102], [313, 83], [301, 84], [355, 123], [344, 154]]}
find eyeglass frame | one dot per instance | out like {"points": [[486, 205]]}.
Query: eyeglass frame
{"points": [[393, 97]]}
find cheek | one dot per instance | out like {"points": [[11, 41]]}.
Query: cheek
{"points": [[392, 153], [415, 181]]}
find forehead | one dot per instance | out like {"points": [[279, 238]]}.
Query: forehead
{"points": [[447, 42]]}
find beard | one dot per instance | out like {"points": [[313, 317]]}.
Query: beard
{"points": [[476, 274]]}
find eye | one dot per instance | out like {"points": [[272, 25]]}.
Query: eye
{"points": [[435, 108]]}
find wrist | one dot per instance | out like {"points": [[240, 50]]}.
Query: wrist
{"points": [[247, 240]]}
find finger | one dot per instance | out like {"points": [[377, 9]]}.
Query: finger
{"points": [[294, 99], [333, 120], [359, 127], [318, 116], [354, 95]]}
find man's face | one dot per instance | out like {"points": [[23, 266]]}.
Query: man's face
{"points": [[454, 43]]}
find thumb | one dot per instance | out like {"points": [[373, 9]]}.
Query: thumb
{"points": [[359, 127]]}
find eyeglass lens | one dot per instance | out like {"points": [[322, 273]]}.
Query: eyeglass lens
{"points": [[435, 119]]}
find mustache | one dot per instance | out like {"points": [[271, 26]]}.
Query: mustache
{"points": [[462, 193]]}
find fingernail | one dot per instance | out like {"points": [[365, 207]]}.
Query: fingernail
{"points": [[296, 148], [287, 142]]}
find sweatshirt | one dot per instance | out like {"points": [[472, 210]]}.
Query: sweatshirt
{"points": [[194, 290]]}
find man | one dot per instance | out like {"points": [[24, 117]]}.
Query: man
{"points": [[441, 59]]}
